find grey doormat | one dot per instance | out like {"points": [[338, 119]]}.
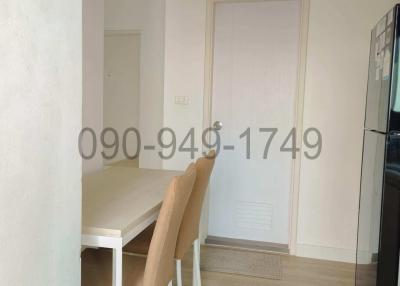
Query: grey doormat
{"points": [[241, 262]]}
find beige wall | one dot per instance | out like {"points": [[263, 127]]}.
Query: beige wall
{"points": [[40, 119], [93, 72], [336, 82]]}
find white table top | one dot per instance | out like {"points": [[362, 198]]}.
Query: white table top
{"points": [[117, 199]]}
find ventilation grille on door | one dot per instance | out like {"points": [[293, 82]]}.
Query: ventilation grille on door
{"points": [[254, 215]]}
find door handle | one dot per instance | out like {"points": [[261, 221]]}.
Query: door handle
{"points": [[218, 125]]}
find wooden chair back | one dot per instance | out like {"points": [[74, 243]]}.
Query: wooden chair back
{"points": [[189, 230], [159, 268]]}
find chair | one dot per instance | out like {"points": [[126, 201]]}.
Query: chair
{"points": [[189, 230], [158, 268]]}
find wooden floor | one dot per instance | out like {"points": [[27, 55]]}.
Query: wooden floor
{"points": [[296, 272]]}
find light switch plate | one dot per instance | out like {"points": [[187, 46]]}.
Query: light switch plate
{"points": [[181, 100]]}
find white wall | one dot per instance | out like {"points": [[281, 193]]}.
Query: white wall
{"points": [[146, 16], [185, 32], [182, 25], [336, 79], [40, 119], [336, 82], [185, 28], [93, 73]]}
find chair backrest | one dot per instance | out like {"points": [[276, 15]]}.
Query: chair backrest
{"points": [[160, 261], [189, 230]]}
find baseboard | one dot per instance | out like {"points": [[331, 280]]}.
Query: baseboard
{"points": [[326, 253], [248, 244]]}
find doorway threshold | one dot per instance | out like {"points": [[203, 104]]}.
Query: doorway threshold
{"points": [[248, 244]]}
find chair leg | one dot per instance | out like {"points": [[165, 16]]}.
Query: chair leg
{"points": [[179, 272], [196, 263], [199, 246]]}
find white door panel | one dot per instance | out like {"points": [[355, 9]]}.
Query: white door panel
{"points": [[121, 90], [254, 86]]}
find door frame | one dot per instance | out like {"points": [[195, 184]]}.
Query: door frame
{"points": [[298, 108]]}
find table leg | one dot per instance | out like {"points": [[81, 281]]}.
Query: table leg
{"points": [[117, 267]]}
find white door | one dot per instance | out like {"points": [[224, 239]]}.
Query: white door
{"points": [[255, 72], [121, 93]]}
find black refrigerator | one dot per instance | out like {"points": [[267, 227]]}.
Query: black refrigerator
{"points": [[379, 214]]}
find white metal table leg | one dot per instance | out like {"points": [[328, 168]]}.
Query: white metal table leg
{"points": [[117, 267], [196, 263]]}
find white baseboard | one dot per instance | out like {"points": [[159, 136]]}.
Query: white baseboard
{"points": [[326, 253]]}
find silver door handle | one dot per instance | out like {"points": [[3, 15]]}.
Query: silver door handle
{"points": [[218, 125]]}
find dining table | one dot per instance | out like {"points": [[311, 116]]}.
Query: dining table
{"points": [[118, 203]]}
